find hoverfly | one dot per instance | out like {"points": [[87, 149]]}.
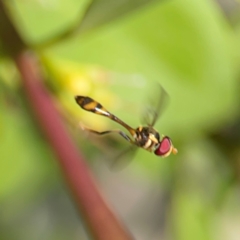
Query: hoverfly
{"points": [[145, 137]]}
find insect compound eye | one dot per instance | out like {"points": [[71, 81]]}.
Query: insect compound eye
{"points": [[165, 148]]}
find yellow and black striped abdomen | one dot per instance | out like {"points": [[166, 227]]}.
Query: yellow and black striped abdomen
{"points": [[91, 105]]}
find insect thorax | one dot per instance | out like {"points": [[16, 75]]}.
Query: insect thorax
{"points": [[147, 138]]}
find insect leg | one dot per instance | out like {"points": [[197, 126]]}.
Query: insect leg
{"points": [[91, 105], [124, 135]]}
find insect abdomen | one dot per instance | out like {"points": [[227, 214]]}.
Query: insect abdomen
{"points": [[91, 105]]}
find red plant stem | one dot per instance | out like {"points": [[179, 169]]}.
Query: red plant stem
{"points": [[100, 220]]}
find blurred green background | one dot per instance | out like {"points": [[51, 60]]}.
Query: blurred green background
{"points": [[122, 47]]}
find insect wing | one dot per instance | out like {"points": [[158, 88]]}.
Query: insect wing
{"points": [[155, 106], [121, 160]]}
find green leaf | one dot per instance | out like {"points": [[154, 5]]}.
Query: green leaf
{"points": [[105, 11]]}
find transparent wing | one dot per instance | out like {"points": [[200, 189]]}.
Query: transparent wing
{"points": [[155, 105], [121, 160], [114, 150]]}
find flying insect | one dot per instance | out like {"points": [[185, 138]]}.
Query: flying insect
{"points": [[146, 137]]}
